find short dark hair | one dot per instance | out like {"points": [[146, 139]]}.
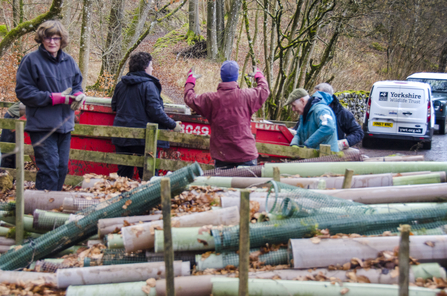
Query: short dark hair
{"points": [[51, 28], [139, 61]]}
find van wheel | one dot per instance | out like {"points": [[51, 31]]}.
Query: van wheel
{"points": [[442, 125], [427, 145]]}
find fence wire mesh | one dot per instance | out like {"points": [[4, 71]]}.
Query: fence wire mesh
{"points": [[134, 202], [271, 258]]}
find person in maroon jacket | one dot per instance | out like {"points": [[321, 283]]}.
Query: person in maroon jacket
{"points": [[229, 112]]}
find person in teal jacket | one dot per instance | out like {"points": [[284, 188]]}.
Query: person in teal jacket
{"points": [[318, 124]]}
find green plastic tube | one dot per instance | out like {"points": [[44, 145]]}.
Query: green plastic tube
{"points": [[186, 239], [418, 179], [114, 241], [258, 287], [315, 169], [123, 289]]}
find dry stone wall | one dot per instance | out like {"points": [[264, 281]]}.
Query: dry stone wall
{"points": [[354, 101]]}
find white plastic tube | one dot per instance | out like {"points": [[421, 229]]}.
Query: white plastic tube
{"points": [[306, 254], [47, 200], [186, 239], [141, 236], [16, 277], [106, 226], [120, 273]]}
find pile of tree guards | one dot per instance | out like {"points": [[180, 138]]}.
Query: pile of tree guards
{"points": [[308, 233]]}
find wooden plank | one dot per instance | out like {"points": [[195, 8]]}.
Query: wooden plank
{"points": [[31, 176], [6, 104], [103, 157], [108, 131], [276, 174], [8, 123], [244, 242], [20, 182], [325, 150], [165, 185], [9, 148], [196, 140], [347, 180], [404, 260], [150, 151], [288, 151], [173, 165]]}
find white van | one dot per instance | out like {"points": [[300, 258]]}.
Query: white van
{"points": [[400, 110]]}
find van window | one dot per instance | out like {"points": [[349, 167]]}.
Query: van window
{"points": [[437, 85]]}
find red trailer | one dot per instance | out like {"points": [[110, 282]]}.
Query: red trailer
{"points": [[93, 114]]}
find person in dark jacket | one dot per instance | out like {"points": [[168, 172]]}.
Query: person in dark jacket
{"points": [[137, 101], [49, 85], [14, 112], [349, 131]]}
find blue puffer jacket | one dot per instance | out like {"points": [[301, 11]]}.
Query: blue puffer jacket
{"points": [[39, 75], [319, 126], [137, 101]]}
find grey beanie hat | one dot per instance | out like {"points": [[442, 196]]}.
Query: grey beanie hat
{"points": [[295, 95]]}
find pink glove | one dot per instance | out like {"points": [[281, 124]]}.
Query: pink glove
{"points": [[258, 74], [60, 98], [192, 76]]}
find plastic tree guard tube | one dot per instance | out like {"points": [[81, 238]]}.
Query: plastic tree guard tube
{"points": [[360, 168], [27, 222], [123, 289], [186, 239], [44, 220], [114, 241], [419, 179], [44, 200], [73, 205], [117, 273], [17, 277], [141, 236], [306, 254], [395, 194], [188, 286], [229, 286], [106, 226], [133, 202]]}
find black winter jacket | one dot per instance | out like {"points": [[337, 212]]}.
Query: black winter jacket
{"points": [[347, 127], [40, 74], [137, 101]]}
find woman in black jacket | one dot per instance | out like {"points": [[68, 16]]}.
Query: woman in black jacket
{"points": [[137, 101]]}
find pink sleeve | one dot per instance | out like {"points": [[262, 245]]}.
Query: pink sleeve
{"points": [[200, 104], [258, 95]]}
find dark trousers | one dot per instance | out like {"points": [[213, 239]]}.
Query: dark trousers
{"points": [[8, 136], [229, 165], [127, 171], [52, 156]]}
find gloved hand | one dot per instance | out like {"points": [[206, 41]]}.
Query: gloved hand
{"points": [[178, 128], [192, 76], [78, 101], [343, 144], [62, 98], [256, 73]]}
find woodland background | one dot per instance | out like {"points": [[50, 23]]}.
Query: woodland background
{"points": [[348, 43]]}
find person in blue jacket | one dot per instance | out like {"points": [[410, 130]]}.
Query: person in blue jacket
{"points": [[49, 85], [137, 101], [317, 122], [348, 130]]}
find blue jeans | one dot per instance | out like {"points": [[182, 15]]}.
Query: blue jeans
{"points": [[229, 165], [10, 137], [52, 157]]}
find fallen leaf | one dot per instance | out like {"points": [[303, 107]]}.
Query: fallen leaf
{"points": [[204, 242], [315, 240], [51, 200], [146, 289], [430, 244], [151, 282], [363, 279], [344, 291]]}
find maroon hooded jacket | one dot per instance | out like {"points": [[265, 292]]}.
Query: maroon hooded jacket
{"points": [[229, 112]]}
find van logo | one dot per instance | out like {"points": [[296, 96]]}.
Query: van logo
{"points": [[393, 112], [383, 96]]}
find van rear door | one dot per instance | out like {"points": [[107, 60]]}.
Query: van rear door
{"points": [[383, 112], [412, 113]]}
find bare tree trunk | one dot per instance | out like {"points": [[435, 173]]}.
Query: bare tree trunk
{"points": [[112, 54], [211, 33], [220, 22], [194, 24], [443, 59], [230, 30], [29, 26], [84, 47]]}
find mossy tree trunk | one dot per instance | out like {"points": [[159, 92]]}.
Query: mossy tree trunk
{"points": [[84, 46], [194, 24], [443, 59], [29, 26], [220, 21], [211, 33], [230, 30]]}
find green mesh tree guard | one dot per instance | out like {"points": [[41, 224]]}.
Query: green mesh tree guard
{"points": [[44, 220], [134, 202], [321, 211]]}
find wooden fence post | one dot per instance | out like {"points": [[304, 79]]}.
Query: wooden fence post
{"points": [[168, 250], [150, 151], [404, 260], [244, 242], [325, 150], [276, 174], [20, 178], [347, 181]]}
